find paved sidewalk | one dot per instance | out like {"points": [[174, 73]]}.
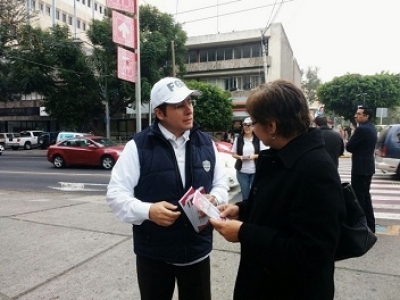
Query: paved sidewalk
{"points": [[70, 246]]}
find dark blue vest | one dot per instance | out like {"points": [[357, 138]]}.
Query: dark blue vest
{"points": [[160, 180]]}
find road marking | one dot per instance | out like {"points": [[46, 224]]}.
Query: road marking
{"points": [[80, 186]]}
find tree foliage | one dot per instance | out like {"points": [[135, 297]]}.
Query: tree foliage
{"points": [[311, 83], [343, 94], [213, 110], [51, 64]]}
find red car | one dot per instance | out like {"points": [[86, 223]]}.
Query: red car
{"points": [[85, 150], [222, 146]]}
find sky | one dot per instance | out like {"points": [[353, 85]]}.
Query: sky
{"points": [[336, 36]]}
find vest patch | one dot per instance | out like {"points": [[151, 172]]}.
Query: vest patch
{"points": [[207, 165]]}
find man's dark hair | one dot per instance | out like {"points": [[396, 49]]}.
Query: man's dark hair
{"points": [[368, 112], [320, 121]]}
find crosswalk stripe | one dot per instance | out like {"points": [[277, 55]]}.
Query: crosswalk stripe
{"points": [[385, 192]]}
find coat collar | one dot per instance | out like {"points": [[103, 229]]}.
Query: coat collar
{"points": [[299, 146]]}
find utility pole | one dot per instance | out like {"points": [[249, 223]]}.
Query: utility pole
{"points": [[363, 97], [138, 90], [173, 58]]}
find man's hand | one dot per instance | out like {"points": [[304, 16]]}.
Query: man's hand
{"points": [[163, 213]]}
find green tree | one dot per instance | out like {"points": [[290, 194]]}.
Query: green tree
{"points": [[310, 83], [13, 15], [51, 64], [213, 109], [343, 94]]}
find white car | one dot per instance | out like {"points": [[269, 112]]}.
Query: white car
{"points": [[229, 163], [1, 149]]}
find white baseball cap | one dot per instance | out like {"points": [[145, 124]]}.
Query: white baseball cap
{"points": [[170, 90], [247, 121]]}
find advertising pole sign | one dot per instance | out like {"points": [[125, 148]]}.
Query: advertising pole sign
{"points": [[124, 30], [126, 65], [123, 5]]}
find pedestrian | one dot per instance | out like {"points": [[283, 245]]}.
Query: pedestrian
{"points": [[334, 144], [362, 146], [154, 171], [347, 134], [289, 227], [246, 148]]}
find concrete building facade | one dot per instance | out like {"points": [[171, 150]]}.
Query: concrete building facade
{"points": [[240, 61], [28, 114], [77, 14]]}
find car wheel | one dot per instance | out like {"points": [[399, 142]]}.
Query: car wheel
{"points": [[28, 146], [58, 161], [107, 162]]}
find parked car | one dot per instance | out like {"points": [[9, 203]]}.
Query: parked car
{"points": [[85, 150], [225, 154], [47, 138], [6, 140], [222, 146], [387, 150], [27, 139], [64, 135], [1, 149]]}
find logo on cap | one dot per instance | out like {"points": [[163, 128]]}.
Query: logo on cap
{"points": [[177, 83]]}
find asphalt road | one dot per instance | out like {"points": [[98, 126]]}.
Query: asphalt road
{"points": [[68, 245]]}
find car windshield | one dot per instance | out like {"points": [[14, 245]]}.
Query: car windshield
{"points": [[105, 142]]}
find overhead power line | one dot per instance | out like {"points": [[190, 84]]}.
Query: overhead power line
{"points": [[235, 12]]}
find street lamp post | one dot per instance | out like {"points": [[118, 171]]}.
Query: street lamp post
{"points": [[363, 97]]}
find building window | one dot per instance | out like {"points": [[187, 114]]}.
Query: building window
{"points": [[237, 53], [95, 6], [41, 6], [64, 18], [228, 53], [203, 55], [78, 23], [246, 51], [84, 26], [256, 51], [230, 84], [47, 10], [57, 14], [69, 20], [191, 57], [220, 54], [101, 9], [89, 3], [212, 55], [83, 2], [33, 4]]}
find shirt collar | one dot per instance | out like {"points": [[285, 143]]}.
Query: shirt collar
{"points": [[170, 136]]}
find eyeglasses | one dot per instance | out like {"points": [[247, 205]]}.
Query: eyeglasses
{"points": [[247, 125], [181, 105]]}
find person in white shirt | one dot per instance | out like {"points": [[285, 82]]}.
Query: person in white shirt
{"points": [[246, 148], [154, 171]]}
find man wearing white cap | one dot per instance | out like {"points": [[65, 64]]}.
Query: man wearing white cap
{"points": [[154, 171]]}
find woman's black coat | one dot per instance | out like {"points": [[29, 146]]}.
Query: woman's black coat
{"points": [[291, 224]]}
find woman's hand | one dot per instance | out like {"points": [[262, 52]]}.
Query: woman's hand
{"points": [[229, 229]]}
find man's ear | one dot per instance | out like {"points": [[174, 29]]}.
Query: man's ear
{"points": [[159, 114]]}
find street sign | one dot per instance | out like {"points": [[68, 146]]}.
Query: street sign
{"points": [[126, 65], [124, 5], [123, 30]]}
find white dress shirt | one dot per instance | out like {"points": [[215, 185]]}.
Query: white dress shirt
{"points": [[126, 173]]}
